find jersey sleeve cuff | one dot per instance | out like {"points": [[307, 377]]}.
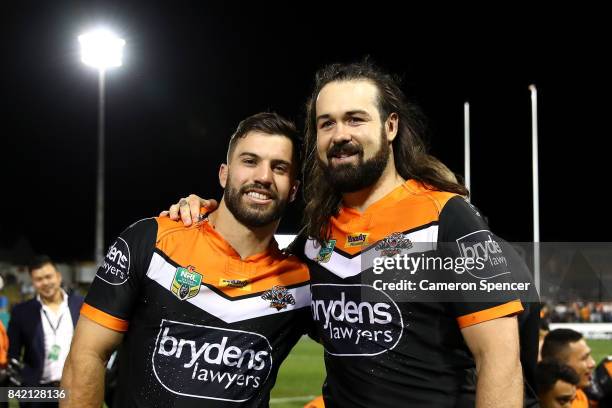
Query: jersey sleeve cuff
{"points": [[506, 309], [104, 319]]}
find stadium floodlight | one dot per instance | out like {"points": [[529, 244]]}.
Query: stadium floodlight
{"points": [[101, 49]]}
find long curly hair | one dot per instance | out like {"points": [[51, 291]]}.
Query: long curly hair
{"points": [[411, 158]]}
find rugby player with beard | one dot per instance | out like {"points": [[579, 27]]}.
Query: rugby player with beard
{"points": [[203, 315], [367, 176]]}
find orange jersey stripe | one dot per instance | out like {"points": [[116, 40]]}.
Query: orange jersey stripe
{"points": [[495, 312], [104, 319], [608, 366], [316, 403], [220, 265], [356, 231]]}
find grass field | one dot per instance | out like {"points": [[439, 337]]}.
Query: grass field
{"points": [[302, 374], [300, 377]]}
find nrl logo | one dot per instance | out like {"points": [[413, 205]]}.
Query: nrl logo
{"points": [[326, 251], [186, 282], [279, 297], [393, 244]]}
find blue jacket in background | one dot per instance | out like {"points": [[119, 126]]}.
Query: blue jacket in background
{"points": [[25, 332]]}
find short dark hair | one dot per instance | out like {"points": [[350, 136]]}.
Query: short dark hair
{"points": [[269, 123], [548, 372], [557, 341], [38, 262]]}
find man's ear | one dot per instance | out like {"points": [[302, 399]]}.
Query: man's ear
{"points": [[223, 174], [294, 190], [391, 126]]}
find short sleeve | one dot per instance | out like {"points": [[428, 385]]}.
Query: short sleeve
{"points": [[464, 234], [115, 289]]}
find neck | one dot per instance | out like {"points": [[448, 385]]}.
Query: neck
{"points": [[387, 182], [54, 300], [245, 240]]}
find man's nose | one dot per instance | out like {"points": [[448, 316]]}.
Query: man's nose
{"points": [[341, 133], [591, 363], [263, 174]]}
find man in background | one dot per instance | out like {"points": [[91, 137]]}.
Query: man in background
{"points": [[41, 328], [556, 384], [569, 347]]}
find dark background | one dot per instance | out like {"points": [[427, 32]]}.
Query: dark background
{"points": [[192, 71]]}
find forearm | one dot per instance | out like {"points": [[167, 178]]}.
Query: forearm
{"points": [[83, 379], [500, 384]]}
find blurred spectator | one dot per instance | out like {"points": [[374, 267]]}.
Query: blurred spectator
{"points": [[578, 312], [557, 384], [585, 313], [568, 347], [607, 312], [41, 329], [4, 344]]}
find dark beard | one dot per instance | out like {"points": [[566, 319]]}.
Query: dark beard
{"points": [[348, 178], [252, 216]]}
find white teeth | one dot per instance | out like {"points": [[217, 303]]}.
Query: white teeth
{"points": [[257, 195]]}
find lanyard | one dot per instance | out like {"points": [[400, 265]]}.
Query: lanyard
{"points": [[59, 321]]}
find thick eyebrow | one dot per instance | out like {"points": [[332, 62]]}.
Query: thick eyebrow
{"points": [[357, 112], [249, 154], [273, 161], [349, 113], [279, 161]]}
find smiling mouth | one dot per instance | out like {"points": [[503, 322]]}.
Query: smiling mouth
{"points": [[261, 197], [343, 157]]}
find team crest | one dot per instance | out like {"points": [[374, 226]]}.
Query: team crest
{"points": [[357, 239], [279, 297], [326, 251], [186, 282], [393, 244]]}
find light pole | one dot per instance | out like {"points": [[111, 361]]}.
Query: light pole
{"points": [[102, 50]]}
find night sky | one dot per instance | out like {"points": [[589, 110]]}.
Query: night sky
{"points": [[193, 71]]}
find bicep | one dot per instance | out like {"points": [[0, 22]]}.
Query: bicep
{"points": [[498, 337], [94, 339]]}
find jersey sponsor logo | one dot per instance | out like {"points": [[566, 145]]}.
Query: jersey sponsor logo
{"points": [[211, 362], [393, 244], [279, 297], [482, 246], [357, 239], [326, 252], [116, 265], [235, 283], [355, 320], [186, 282]]}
